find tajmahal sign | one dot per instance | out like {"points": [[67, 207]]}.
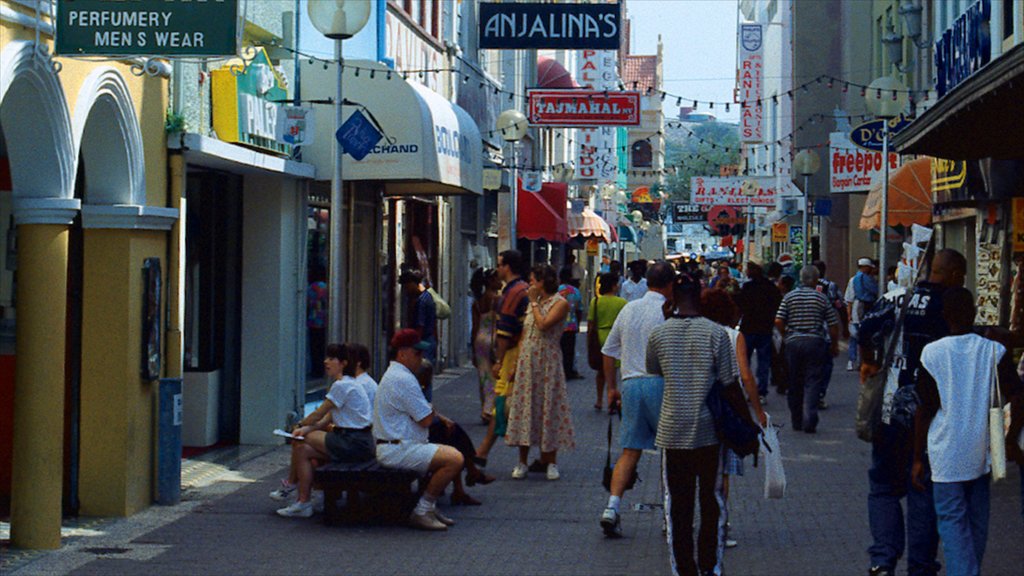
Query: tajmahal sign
{"points": [[146, 27], [583, 108]]}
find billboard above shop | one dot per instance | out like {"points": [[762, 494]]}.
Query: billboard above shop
{"points": [[146, 28], [521, 26], [689, 213], [853, 168], [583, 108], [741, 191]]}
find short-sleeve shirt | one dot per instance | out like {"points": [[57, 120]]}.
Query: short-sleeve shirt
{"points": [[627, 340], [512, 309], [369, 385], [423, 317], [691, 354], [399, 405], [607, 310], [352, 409], [633, 290], [572, 296], [806, 312]]}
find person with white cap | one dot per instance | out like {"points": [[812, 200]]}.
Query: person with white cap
{"points": [[861, 293]]}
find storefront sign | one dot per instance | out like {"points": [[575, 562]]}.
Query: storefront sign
{"points": [[751, 83], [294, 126], [740, 191], [853, 169], [244, 109], [796, 239], [492, 179], [964, 48], [518, 26], [596, 156], [780, 232], [574, 108], [410, 51], [870, 135], [531, 181], [357, 136], [726, 221], [146, 28], [689, 213]]}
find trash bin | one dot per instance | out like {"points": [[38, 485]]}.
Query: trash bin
{"points": [[169, 442]]}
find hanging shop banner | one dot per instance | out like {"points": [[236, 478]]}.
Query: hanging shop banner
{"points": [[146, 28], [964, 48], [750, 77], [780, 232], [726, 221], [596, 155], [689, 213], [358, 136], [854, 169], [244, 108], [531, 181], [492, 179], [741, 191], [869, 135], [576, 108], [519, 26], [294, 126], [796, 239]]}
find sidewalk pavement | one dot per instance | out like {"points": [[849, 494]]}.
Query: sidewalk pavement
{"points": [[226, 523]]}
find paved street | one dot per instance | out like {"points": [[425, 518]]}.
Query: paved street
{"points": [[226, 524]]}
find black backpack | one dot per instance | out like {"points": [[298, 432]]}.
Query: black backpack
{"points": [[733, 424]]}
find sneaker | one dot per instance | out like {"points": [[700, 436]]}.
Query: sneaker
{"points": [[318, 502], [519, 472], [822, 404], [610, 523], [297, 510], [426, 522], [881, 571], [553, 472], [730, 543], [849, 366], [284, 492], [442, 518]]}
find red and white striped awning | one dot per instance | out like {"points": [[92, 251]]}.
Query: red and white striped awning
{"points": [[589, 225]]}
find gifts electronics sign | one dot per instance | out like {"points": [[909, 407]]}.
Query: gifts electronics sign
{"points": [[740, 191], [146, 28], [583, 108]]}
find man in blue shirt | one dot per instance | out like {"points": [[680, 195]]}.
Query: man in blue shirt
{"points": [[421, 315]]}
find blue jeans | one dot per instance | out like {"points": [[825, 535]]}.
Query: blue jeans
{"points": [[962, 510], [806, 358], [854, 353], [762, 344], [826, 376], [888, 483]]}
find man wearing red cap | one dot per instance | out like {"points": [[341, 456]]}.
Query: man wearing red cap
{"points": [[401, 422]]}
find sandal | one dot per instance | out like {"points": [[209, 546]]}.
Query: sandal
{"points": [[464, 499], [478, 478]]}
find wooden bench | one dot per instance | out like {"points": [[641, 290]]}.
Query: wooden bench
{"points": [[372, 492]]}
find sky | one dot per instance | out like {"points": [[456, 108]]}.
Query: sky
{"points": [[699, 43]]}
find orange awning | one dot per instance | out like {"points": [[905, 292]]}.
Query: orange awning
{"points": [[589, 225], [910, 197]]}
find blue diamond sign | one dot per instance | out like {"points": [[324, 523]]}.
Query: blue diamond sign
{"points": [[357, 136]]}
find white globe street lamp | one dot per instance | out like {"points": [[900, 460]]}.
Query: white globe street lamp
{"points": [[807, 163], [337, 20], [885, 98], [512, 126]]}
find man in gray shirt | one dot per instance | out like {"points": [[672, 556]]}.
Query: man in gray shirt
{"points": [[691, 353]]}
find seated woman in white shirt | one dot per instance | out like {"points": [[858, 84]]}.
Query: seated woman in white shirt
{"points": [[338, 430]]}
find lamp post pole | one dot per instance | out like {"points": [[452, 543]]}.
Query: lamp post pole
{"points": [[338, 254], [514, 185], [886, 98], [807, 209], [884, 216]]}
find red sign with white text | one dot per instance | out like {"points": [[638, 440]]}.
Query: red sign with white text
{"points": [[583, 108]]}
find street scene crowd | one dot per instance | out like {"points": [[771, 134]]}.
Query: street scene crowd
{"points": [[685, 354]]}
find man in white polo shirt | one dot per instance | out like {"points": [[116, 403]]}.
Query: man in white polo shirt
{"points": [[401, 419], [641, 394]]}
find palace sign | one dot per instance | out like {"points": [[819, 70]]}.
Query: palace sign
{"points": [[515, 26], [576, 108], [146, 28]]}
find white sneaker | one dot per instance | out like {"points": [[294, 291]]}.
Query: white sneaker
{"points": [[284, 492], [553, 472], [849, 366], [318, 501], [442, 518], [297, 510], [519, 472]]}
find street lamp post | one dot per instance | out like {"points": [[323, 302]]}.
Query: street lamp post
{"points": [[511, 124], [337, 20], [807, 164], [885, 98]]}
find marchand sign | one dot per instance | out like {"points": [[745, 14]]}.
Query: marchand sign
{"points": [[513, 26], [147, 27], [583, 108]]}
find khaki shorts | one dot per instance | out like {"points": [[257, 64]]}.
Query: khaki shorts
{"points": [[407, 456]]}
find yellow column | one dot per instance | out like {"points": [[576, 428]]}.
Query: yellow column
{"points": [[175, 258], [38, 458]]}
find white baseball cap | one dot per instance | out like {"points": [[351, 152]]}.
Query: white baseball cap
{"points": [[865, 262]]}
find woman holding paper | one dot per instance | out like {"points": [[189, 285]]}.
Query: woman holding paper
{"points": [[338, 430]]}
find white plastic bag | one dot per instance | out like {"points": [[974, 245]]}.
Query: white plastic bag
{"points": [[771, 454]]}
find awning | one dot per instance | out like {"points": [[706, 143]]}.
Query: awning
{"points": [[910, 197], [209, 152], [435, 146], [589, 225], [541, 215], [979, 118], [551, 74]]}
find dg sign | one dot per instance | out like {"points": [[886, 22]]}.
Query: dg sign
{"points": [[147, 28]]}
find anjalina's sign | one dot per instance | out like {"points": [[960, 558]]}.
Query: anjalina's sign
{"points": [[515, 26], [146, 28], [583, 108]]}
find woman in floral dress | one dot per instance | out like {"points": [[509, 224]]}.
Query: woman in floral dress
{"points": [[539, 412], [485, 286]]}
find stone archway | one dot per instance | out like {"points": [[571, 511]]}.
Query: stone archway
{"points": [[108, 140]]}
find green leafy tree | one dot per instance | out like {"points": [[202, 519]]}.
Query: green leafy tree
{"points": [[698, 150]]}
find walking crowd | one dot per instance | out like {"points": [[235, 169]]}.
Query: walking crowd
{"points": [[665, 343]]}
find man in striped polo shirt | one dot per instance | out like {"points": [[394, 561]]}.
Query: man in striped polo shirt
{"points": [[802, 318]]}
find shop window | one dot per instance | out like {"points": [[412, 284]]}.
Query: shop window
{"points": [[642, 154]]}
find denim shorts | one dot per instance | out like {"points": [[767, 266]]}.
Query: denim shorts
{"points": [[641, 407]]}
